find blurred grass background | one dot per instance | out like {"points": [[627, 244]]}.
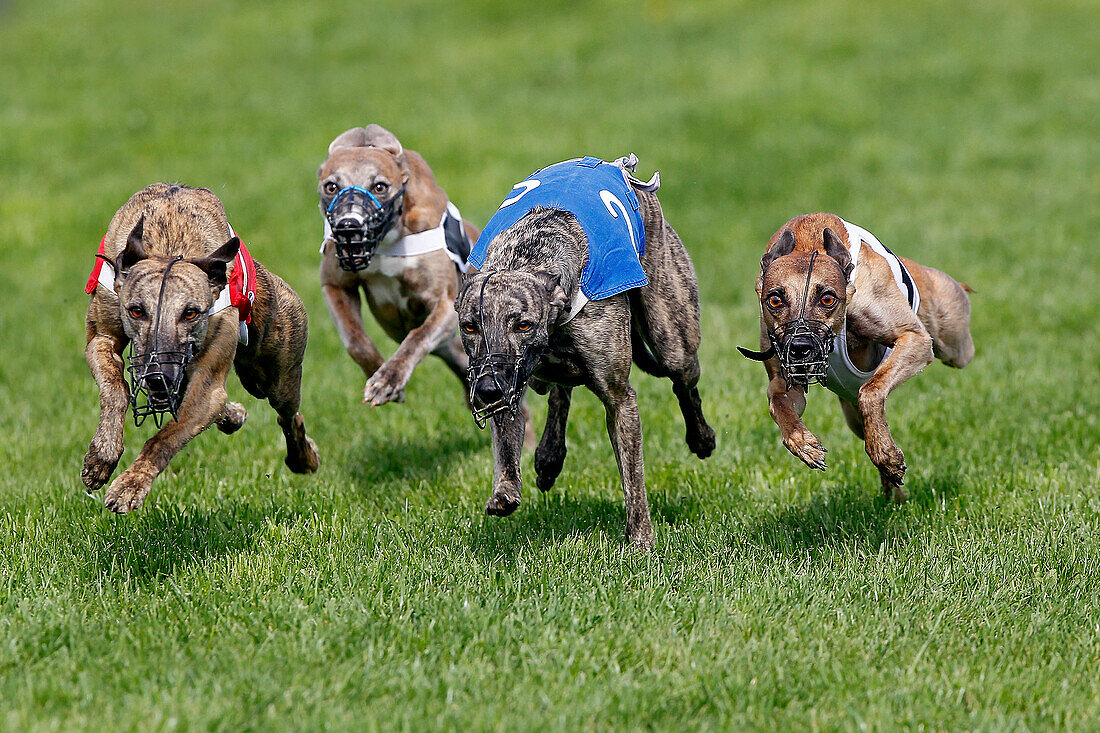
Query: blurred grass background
{"points": [[375, 595]]}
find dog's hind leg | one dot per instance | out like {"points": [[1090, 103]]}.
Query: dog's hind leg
{"points": [[104, 356], [550, 455], [301, 452], [663, 346]]}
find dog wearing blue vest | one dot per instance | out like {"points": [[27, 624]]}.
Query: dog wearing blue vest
{"points": [[580, 276], [838, 308]]}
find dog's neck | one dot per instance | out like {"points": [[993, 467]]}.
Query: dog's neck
{"points": [[548, 240]]}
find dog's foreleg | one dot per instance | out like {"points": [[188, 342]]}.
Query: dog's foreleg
{"points": [[203, 403], [345, 308], [104, 356], [507, 433], [786, 408], [550, 455], [388, 383], [912, 352], [624, 427]]}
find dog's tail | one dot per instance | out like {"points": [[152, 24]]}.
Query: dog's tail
{"points": [[643, 357], [966, 287]]}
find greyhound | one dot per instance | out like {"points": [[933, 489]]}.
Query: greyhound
{"points": [[580, 276], [838, 308], [390, 231], [175, 283]]}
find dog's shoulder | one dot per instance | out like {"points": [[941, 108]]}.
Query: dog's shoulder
{"points": [[425, 200]]}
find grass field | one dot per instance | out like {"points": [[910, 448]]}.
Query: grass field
{"points": [[376, 595]]}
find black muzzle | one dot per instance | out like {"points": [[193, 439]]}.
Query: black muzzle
{"points": [[802, 345], [497, 382], [157, 382], [359, 222], [158, 377]]}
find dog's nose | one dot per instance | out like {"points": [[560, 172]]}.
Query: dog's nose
{"points": [[801, 347], [349, 221], [157, 384], [486, 391]]}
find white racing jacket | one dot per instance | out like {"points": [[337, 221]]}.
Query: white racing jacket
{"points": [[843, 378]]}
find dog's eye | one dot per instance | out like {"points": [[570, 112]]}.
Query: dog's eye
{"points": [[469, 328], [379, 187], [137, 312], [330, 187], [524, 326], [775, 301], [190, 314], [828, 300]]}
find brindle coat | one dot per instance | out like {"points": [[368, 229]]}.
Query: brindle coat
{"points": [[410, 297], [156, 224], [875, 312], [535, 269]]}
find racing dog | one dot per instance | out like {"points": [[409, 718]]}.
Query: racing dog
{"points": [[391, 232], [175, 283], [838, 308], [580, 276]]}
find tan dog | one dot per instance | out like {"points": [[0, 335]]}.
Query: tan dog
{"points": [[390, 232], [176, 284], [840, 309]]}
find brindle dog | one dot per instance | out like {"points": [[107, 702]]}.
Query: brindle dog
{"points": [[866, 301], [518, 305], [171, 249], [410, 296]]}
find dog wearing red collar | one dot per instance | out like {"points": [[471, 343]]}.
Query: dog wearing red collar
{"points": [[839, 309], [174, 283]]}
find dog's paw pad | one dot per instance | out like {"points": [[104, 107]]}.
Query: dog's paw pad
{"points": [[501, 504]]}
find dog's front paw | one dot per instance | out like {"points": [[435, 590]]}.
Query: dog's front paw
{"points": [[502, 503], [127, 492], [99, 463], [385, 385], [890, 462], [807, 448]]}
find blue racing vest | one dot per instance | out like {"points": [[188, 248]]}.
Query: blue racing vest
{"points": [[604, 204]]}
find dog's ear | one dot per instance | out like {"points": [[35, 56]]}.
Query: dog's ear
{"points": [[782, 247], [134, 252], [356, 137], [836, 249], [215, 263], [552, 282], [379, 137]]}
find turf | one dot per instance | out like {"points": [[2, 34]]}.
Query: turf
{"points": [[376, 595]]}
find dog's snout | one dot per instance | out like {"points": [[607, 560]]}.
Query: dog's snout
{"points": [[486, 390], [349, 221], [801, 347], [158, 383]]}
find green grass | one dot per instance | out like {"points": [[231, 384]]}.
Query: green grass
{"points": [[376, 595]]}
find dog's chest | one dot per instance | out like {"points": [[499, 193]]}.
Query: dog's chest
{"points": [[561, 364]]}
